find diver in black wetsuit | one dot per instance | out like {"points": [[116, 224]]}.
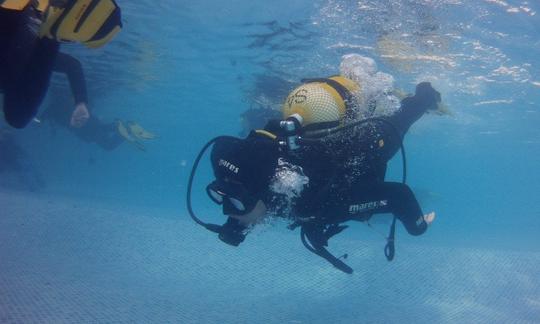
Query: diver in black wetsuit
{"points": [[346, 169], [30, 35]]}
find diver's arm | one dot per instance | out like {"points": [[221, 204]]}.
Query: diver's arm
{"points": [[73, 69], [70, 66]]}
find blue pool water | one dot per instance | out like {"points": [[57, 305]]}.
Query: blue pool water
{"points": [[92, 236]]}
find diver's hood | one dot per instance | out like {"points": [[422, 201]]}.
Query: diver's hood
{"points": [[251, 161]]}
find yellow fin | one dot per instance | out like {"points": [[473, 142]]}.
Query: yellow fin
{"points": [[125, 133], [122, 130], [139, 132]]}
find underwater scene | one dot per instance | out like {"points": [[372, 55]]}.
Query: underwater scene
{"points": [[299, 161]]}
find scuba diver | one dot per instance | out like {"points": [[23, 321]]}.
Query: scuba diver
{"points": [[343, 159], [31, 32]]}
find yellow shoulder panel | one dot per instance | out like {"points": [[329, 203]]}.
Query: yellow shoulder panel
{"points": [[81, 21], [42, 5], [72, 28], [14, 4]]}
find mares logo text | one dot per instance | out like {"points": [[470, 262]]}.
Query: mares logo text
{"points": [[228, 165], [359, 208]]}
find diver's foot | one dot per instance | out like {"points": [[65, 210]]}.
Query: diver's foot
{"points": [[429, 218]]}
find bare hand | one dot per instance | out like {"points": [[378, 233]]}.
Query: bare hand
{"points": [[429, 218], [80, 115]]}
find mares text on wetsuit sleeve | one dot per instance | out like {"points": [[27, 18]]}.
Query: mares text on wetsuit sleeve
{"points": [[383, 197]]}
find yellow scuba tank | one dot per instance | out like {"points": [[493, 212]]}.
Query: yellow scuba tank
{"points": [[322, 100], [91, 22]]}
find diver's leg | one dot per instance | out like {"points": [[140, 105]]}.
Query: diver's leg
{"points": [[390, 197], [103, 134], [110, 137], [28, 68], [405, 207]]}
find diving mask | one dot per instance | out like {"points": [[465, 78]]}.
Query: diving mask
{"points": [[234, 197]]}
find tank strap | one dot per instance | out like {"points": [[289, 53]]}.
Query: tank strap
{"points": [[265, 133], [343, 92]]}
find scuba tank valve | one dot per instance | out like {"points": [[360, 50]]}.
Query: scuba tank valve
{"points": [[292, 127]]}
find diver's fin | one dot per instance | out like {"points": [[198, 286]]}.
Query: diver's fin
{"points": [[138, 132], [126, 134], [442, 109], [123, 131]]}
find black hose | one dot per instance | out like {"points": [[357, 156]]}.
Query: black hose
{"points": [[211, 227], [322, 252]]}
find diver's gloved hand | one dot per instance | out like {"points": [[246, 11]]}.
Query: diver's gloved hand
{"points": [[232, 232], [426, 96]]}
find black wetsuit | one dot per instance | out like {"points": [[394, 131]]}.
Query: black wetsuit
{"points": [[346, 174], [26, 64]]}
